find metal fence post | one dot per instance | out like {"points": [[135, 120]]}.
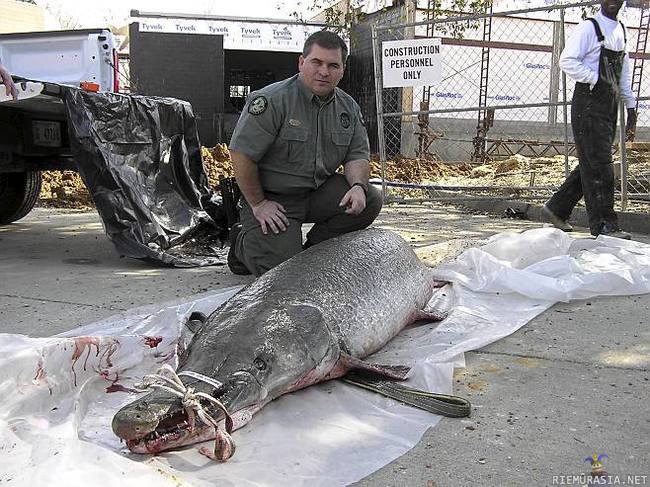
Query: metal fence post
{"points": [[564, 104], [556, 74], [376, 51], [623, 151]]}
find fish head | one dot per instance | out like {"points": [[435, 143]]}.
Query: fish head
{"points": [[267, 351], [250, 359]]}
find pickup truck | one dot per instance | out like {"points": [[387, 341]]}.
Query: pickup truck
{"points": [[33, 129]]}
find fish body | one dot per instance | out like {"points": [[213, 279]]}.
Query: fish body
{"points": [[310, 319]]}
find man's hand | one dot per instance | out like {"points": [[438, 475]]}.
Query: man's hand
{"points": [[354, 200], [630, 125], [271, 215], [10, 87]]}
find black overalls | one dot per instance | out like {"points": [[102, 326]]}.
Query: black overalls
{"points": [[593, 119]]}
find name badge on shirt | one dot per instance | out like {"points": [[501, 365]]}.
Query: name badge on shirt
{"points": [[295, 123]]}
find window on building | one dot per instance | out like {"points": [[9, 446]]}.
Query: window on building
{"points": [[238, 95], [239, 91]]}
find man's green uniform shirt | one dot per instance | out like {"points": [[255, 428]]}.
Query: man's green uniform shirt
{"points": [[296, 139]]}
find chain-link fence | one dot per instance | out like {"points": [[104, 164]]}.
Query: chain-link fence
{"points": [[497, 123]]}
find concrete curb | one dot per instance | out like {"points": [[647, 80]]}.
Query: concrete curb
{"points": [[630, 222]]}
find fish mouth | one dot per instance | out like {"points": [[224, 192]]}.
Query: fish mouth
{"points": [[157, 423], [172, 431]]}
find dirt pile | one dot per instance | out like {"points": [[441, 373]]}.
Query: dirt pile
{"points": [[517, 170], [520, 171], [64, 189], [216, 163], [420, 171]]}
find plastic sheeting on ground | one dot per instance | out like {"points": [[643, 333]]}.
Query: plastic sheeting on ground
{"points": [[140, 158], [59, 394]]}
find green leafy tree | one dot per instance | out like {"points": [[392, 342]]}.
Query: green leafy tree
{"points": [[341, 15]]}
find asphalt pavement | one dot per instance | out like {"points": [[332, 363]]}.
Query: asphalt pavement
{"points": [[571, 383]]}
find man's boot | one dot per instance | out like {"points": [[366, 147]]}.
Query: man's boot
{"points": [[556, 220], [612, 231], [234, 264]]}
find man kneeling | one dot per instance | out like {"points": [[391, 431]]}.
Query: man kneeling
{"points": [[291, 138]]}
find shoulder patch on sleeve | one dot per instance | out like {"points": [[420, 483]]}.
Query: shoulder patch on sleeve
{"points": [[258, 105]]}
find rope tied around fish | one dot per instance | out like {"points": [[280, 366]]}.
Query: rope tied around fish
{"points": [[168, 380]]}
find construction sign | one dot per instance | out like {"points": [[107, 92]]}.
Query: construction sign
{"points": [[414, 62]]}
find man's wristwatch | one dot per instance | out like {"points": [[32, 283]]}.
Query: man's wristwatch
{"points": [[363, 186]]}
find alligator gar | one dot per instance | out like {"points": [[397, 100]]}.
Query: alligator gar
{"points": [[311, 319]]}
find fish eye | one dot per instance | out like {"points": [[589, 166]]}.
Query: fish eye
{"points": [[259, 364]]}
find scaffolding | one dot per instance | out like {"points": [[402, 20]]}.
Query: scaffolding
{"points": [[637, 72], [485, 116], [426, 135]]}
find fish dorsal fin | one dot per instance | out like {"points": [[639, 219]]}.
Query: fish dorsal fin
{"points": [[397, 372]]}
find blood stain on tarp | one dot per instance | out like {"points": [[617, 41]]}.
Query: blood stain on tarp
{"points": [[115, 387], [161, 356], [111, 348], [80, 345], [85, 344], [41, 375], [152, 341]]}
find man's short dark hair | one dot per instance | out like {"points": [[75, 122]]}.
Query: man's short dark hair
{"points": [[326, 40]]}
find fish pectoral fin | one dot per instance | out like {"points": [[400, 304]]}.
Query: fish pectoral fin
{"points": [[423, 316], [442, 404], [396, 372]]}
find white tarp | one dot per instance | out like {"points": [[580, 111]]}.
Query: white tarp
{"points": [[58, 394]]}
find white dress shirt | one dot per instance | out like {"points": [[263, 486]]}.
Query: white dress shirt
{"points": [[581, 55]]}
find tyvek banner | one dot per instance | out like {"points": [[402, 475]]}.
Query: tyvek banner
{"points": [[238, 34]]}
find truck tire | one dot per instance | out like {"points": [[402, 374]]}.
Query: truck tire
{"points": [[18, 194]]}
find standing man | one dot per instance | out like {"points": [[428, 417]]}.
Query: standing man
{"points": [[595, 57], [290, 140], [5, 79]]}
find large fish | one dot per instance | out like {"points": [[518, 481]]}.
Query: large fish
{"points": [[310, 319]]}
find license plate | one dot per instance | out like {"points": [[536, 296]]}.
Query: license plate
{"points": [[46, 134]]}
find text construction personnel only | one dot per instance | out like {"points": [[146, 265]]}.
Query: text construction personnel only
{"points": [[414, 62]]}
